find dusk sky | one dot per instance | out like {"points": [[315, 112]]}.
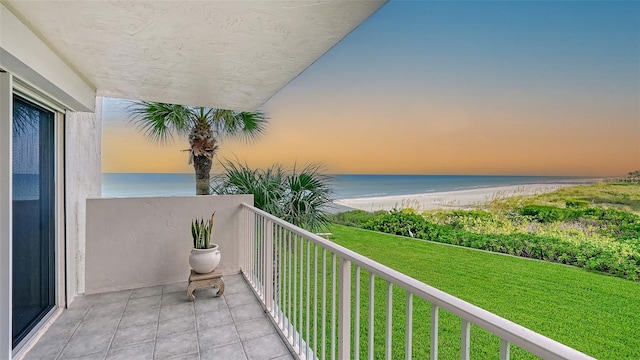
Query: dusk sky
{"points": [[505, 87]]}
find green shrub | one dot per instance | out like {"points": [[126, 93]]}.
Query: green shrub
{"points": [[355, 218], [617, 258], [544, 213], [299, 196], [576, 204]]}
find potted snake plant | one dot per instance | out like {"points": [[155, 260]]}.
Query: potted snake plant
{"points": [[204, 256]]}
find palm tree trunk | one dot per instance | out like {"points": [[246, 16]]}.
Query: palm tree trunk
{"points": [[202, 166]]}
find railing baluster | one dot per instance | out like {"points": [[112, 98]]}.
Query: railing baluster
{"points": [[324, 303], [243, 239], [279, 275], [465, 342], [250, 240], [300, 298], [290, 288], [505, 352], [371, 313], [248, 225], [409, 327], [296, 325], [434, 332], [256, 251], [268, 266], [260, 258], [283, 278], [333, 306], [308, 278], [356, 318], [263, 264], [275, 275], [388, 342], [315, 299], [344, 322]]}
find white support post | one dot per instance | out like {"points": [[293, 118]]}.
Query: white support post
{"points": [[333, 306], [247, 240], [308, 310], [389, 338], [6, 135], [301, 296], [465, 342], [356, 318], [434, 332], [505, 352], [409, 328], [268, 266], [344, 321], [324, 305], [315, 299], [372, 290]]}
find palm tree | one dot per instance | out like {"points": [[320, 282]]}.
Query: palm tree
{"points": [[299, 196], [204, 127]]}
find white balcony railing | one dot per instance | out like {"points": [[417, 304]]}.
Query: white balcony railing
{"points": [[294, 274]]}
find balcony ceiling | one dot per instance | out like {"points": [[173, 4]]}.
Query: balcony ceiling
{"points": [[226, 54]]}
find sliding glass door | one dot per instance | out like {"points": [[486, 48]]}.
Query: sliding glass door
{"points": [[33, 215]]}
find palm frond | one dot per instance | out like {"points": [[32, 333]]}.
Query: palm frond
{"points": [[158, 121], [299, 197], [247, 126]]}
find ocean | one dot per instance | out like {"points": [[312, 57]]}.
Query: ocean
{"points": [[345, 186]]}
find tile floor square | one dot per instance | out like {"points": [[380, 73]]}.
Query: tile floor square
{"points": [[218, 336], [265, 347], [173, 346], [134, 335], [176, 326], [146, 291]]}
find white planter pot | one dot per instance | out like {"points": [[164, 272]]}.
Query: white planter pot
{"points": [[204, 261]]}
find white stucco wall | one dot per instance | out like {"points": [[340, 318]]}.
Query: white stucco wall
{"points": [[27, 57], [137, 242], [83, 175]]}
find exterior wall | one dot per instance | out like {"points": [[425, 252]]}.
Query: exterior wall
{"points": [[83, 179], [136, 242]]}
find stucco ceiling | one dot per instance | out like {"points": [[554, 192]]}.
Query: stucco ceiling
{"points": [[226, 54]]}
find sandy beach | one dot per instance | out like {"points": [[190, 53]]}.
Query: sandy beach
{"points": [[462, 199]]}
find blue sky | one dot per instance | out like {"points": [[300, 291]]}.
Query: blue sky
{"points": [[502, 87]]}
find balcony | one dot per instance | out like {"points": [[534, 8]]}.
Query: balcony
{"points": [[290, 293]]}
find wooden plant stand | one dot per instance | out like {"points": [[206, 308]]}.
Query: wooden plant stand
{"points": [[196, 281]]}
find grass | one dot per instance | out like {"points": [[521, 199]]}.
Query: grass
{"points": [[593, 226], [596, 314]]}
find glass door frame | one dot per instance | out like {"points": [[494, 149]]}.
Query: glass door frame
{"points": [[9, 86]]}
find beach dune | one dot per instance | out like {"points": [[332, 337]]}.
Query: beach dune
{"points": [[461, 199]]}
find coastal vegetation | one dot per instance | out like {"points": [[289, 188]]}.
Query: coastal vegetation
{"points": [[204, 127], [596, 227], [298, 196]]}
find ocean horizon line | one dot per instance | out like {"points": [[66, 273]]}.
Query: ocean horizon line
{"points": [[399, 174], [344, 186]]}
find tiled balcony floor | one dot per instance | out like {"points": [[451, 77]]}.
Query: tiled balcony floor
{"points": [[160, 323]]}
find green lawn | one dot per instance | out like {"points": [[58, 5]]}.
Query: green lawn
{"points": [[594, 313]]}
